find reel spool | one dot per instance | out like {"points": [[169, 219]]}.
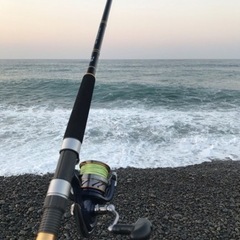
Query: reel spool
{"points": [[97, 182], [94, 176]]}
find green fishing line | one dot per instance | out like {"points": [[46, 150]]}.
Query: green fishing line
{"points": [[94, 168]]}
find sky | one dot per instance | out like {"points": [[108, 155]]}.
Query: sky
{"points": [[137, 29]]}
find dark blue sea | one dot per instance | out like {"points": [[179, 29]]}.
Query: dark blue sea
{"points": [[144, 113]]}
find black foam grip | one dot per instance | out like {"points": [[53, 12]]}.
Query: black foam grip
{"points": [[78, 119]]}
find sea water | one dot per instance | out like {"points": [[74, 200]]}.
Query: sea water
{"points": [[144, 113]]}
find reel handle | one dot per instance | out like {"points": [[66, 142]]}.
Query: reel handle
{"points": [[140, 230]]}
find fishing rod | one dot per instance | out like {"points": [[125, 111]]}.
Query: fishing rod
{"points": [[92, 188]]}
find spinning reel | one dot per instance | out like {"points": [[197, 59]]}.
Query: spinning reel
{"points": [[92, 190]]}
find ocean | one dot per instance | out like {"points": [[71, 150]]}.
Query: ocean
{"points": [[144, 113]]}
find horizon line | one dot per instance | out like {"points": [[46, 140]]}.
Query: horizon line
{"points": [[113, 59]]}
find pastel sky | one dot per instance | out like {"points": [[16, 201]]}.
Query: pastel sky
{"points": [[162, 29]]}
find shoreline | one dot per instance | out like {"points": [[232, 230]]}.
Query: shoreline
{"points": [[194, 202]]}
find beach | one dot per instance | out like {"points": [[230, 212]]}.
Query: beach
{"points": [[195, 202]]}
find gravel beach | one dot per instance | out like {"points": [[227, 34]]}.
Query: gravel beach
{"points": [[194, 202]]}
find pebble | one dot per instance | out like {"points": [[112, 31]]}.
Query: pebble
{"points": [[195, 202]]}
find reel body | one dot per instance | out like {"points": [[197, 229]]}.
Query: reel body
{"points": [[95, 184], [93, 188]]}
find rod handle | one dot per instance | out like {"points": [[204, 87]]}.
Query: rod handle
{"points": [[50, 224], [53, 210]]}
